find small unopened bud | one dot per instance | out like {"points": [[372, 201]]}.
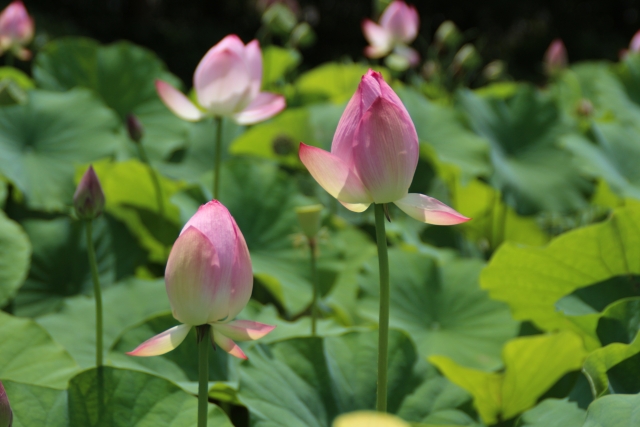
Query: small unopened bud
{"points": [[555, 58], [6, 414], [585, 107], [467, 58], [135, 128], [494, 70], [309, 219], [89, 198], [448, 35]]}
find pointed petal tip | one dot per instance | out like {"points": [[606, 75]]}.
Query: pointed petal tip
{"points": [[429, 210], [177, 102], [162, 343]]}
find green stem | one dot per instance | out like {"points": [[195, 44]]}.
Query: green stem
{"points": [[216, 170], [203, 369], [383, 321], [154, 179], [314, 282], [96, 292]]}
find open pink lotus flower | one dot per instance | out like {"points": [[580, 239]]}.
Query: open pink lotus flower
{"points": [[227, 82], [398, 27], [555, 58], [209, 280], [16, 30], [374, 155]]}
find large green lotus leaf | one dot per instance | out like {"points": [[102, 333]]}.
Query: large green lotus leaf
{"points": [[532, 365], [29, 355], [60, 263], [125, 305], [262, 199], [131, 197], [532, 280], [331, 82], [179, 365], [617, 410], [554, 413], [45, 138], [441, 307], [440, 128], [611, 157], [318, 379], [14, 85], [15, 255], [529, 168], [276, 63], [36, 405]]}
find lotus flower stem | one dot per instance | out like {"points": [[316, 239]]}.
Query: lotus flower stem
{"points": [[154, 179], [314, 282], [203, 369], [96, 291], [383, 321], [216, 170]]}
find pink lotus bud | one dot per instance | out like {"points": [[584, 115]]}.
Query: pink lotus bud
{"points": [[134, 128], [227, 82], [555, 58], [209, 280], [6, 414], [374, 155], [398, 27], [89, 198], [16, 29], [634, 46]]}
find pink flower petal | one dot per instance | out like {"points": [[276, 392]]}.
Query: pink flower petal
{"points": [[386, 151], [243, 330], [222, 82], [265, 106], [235, 278], [227, 344], [380, 39], [177, 102], [192, 277], [253, 59], [401, 21], [162, 343], [429, 210], [634, 46], [334, 175], [356, 207], [410, 54], [231, 42]]}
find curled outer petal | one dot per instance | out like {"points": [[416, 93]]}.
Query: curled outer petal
{"points": [[334, 175], [253, 60], [243, 330], [265, 106], [429, 210], [162, 343], [192, 279], [177, 102], [356, 207], [379, 38], [226, 343]]}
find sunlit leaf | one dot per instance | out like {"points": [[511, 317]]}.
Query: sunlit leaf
{"points": [[15, 255]]}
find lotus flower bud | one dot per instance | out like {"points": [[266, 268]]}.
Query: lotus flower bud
{"points": [[555, 58], [448, 35], [16, 30], [135, 128], [309, 219], [634, 46], [6, 414], [467, 58], [88, 199]]}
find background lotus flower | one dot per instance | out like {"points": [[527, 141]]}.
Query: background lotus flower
{"points": [[227, 82], [555, 58], [398, 27], [88, 199], [374, 155], [16, 30], [209, 281]]}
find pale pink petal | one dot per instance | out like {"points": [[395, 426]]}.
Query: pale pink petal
{"points": [[634, 46], [380, 39], [410, 54], [356, 207], [253, 59], [265, 106], [230, 42], [235, 278], [386, 151], [162, 343], [227, 344], [223, 83], [401, 21], [429, 210], [243, 330], [192, 277], [177, 102], [334, 175]]}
